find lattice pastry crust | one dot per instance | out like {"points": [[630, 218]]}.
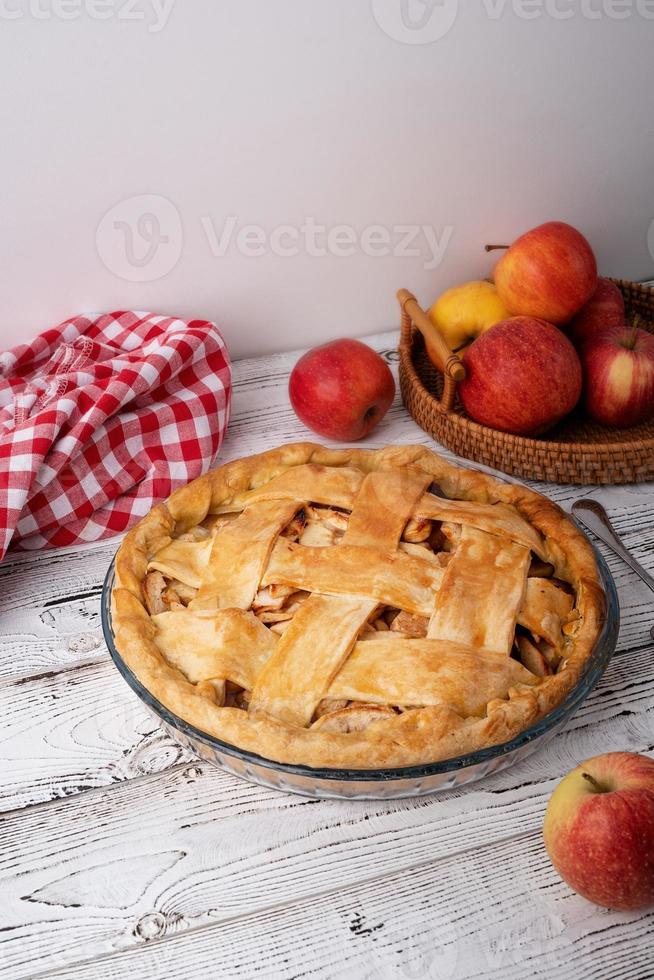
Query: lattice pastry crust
{"points": [[356, 608]]}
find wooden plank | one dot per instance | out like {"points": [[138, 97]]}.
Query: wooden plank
{"points": [[50, 609], [68, 732], [489, 910], [514, 918], [83, 876]]}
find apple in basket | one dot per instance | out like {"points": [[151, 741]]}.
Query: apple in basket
{"points": [[548, 273], [599, 830], [605, 308], [522, 376], [341, 390], [618, 368], [464, 312]]}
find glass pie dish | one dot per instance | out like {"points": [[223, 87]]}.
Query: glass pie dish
{"points": [[378, 784]]}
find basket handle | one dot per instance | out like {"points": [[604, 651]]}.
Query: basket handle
{"points": [[448, 363]]}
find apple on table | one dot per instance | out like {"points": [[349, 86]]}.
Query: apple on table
{"points": [[599, 830], [341, 390]]}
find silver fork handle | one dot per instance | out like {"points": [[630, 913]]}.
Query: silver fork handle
{"points": [[594, 517]]}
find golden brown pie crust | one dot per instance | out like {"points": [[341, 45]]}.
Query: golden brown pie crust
{"points": [[279, 726]]}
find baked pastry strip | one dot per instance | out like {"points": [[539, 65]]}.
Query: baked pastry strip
{"points": [[321, 635], [482, 592], [239, 554], [417, 673], [230, 645], [332, 486], [383, 507], [233, 645], [186, 561], [394, 578], [338, 487], [308, 656], [400, 579], [499, 519]]}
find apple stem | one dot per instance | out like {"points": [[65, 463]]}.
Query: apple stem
{"points": [[591, 779], [494, 248]]}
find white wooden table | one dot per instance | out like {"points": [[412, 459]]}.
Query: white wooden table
{"points": [[123, 856]]}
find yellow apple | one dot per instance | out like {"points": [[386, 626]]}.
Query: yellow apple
{"points": [[466, 311]]}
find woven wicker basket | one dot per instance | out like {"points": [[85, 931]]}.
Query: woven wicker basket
{"points": [[576, 451]]}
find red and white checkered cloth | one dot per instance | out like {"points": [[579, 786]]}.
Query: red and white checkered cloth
{"points": [[103, 416]]}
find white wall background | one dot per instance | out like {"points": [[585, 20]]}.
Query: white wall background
{"points": [[272, 111]]}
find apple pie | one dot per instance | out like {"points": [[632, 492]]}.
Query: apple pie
{"points": [[354, 608]]}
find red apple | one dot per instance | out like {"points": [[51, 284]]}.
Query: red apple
{"points": [[605, 308], [549, 273], [522, 376], [599, 830], [618, 368], [341, 390]]}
